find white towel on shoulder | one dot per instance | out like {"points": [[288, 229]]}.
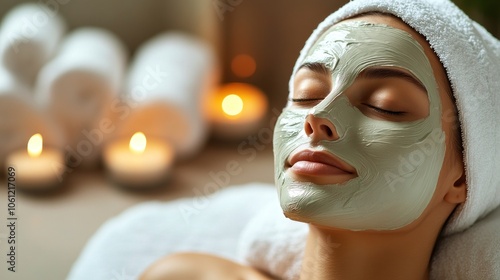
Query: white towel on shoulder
{"points": [[246, 224], [276, 244]]}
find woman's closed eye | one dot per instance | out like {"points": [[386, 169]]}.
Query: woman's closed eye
{"points": [[311, 85], [306, 101], [384, 111]]}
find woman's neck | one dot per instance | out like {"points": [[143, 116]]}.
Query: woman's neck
{"points": [[349, 255]]}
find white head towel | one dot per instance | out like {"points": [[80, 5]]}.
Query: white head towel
{"points": [[471, 57]]}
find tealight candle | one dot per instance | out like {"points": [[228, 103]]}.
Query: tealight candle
{"points": [[237, 110], [37, 167], [139, 161]]}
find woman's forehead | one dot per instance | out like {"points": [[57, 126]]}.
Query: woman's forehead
{"points": [[395, 22], [361, 30], [439, 71], [349, 48], [390, 20]]}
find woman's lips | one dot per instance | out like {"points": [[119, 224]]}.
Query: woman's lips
{"points": [[316, 163]]}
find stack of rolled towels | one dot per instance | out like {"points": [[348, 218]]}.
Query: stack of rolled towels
{"points": [[77, 90]]}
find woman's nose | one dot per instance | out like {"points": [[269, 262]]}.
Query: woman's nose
{"points": [[320, 129]]}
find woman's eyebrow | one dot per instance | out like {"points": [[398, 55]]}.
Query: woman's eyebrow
{"points": [[316, 67], [375, 73]]}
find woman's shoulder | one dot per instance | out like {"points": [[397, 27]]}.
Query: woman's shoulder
{"points": [[198, 266]]}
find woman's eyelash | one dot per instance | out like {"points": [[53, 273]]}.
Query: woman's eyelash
{"points": [[380, 110], [304, 100]]}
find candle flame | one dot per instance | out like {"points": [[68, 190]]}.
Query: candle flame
{"points": [[35, 145], [232, 105], [138, 143]]}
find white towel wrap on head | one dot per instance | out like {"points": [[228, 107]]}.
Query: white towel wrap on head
{"points": [[471, 57], [29, 36], [79, 85], [168, 84]]}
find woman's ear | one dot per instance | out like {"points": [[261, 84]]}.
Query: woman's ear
{"points": [[458, 192]]}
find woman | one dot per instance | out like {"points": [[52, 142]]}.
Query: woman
{"points": [[368, 151], [377, 102]]}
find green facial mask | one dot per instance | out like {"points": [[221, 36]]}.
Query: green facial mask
{"points": [[398, 163]]}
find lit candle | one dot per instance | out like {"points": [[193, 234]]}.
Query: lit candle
{"points": [[237, 110], [138, 162], [37, 167]]}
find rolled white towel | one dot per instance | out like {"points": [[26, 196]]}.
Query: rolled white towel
{"points": [[167, 87], [29, 37], [78, 87]]}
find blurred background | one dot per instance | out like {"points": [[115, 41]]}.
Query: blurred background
{"points": [[253, 43], [272, 33]]}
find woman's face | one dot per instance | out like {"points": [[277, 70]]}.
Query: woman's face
{"points": [[363, 144]]}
